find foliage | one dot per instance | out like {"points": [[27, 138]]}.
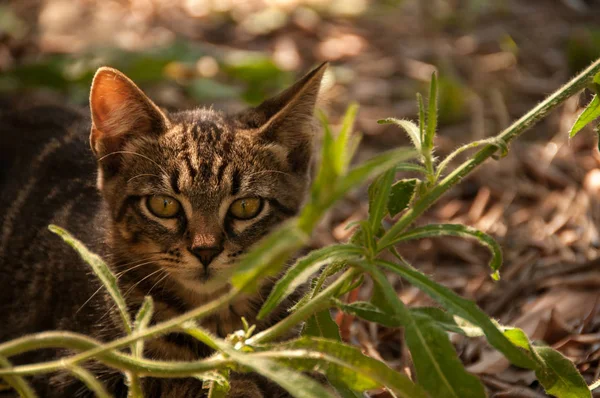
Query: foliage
{"points": [[439, 372]]}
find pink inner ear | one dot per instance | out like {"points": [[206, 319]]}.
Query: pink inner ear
{"points": [[110, 94]]}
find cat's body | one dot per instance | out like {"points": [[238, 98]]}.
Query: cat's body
{"points": [[181, 197]]}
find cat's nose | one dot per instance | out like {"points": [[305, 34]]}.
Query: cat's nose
{"points": [[206, 254]]}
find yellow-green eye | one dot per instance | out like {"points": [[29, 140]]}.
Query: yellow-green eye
{"points": [[163, 206], [245, 208]]}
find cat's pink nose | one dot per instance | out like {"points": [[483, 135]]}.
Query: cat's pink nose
{"points": [[206, 254]]}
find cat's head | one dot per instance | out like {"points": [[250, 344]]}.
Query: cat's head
{"points": [[191, 191]]}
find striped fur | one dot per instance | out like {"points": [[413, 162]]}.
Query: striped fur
{"points": [[203, 158]]}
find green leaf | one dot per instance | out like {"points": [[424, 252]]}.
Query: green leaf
{"points": [[431, 113], [101, 270], [369, 312], [459, 230], [411, 129], [421, 117], [371, 167], [401, 194], [379, 193], [413, 167], [438, 367], [268, 256], [447, 321], [589, 114], [297, 384], [465, 309], [216, 382], [343, 363], [302, 270], [142, 320], [559, 376], [322, 325], [342, 142], [355, 177]]}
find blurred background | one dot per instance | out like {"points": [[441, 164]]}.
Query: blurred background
{"points": [[495, 60]]}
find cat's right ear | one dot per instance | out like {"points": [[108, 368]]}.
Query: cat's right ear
{"points": [[120, 110]]}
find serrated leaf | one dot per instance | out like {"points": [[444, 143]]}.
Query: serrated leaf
{"points": [[101, 270], [589, 114], [401, 194], [345, 364], [302, 270]]}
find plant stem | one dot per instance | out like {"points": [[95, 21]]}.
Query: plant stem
{"points": [[17, 382], [517, 128], [318, 303], [114, 358], [33, 341]]}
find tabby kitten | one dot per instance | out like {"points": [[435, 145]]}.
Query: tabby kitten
{"points": [[171, 201]]}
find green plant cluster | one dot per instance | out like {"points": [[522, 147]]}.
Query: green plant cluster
{"points": [[339, 269]]}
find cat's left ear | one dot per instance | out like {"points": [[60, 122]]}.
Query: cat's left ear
{"points": [[288, 118], [120, 110]]}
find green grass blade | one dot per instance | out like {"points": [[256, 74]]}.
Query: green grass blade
{"points": [[101, 270], [409, 127], [343, 363], [302, 270], [465, 309], [589, 114], [459, 230]]}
